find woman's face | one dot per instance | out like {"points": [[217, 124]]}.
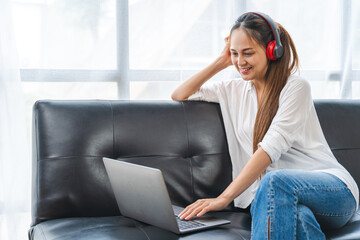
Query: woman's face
{"points": [[248, 57]]}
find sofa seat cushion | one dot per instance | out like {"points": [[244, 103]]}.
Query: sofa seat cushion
{"points": [[350, 231], [119, 227]]}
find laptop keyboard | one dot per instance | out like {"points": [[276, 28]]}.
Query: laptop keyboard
{"points": [[184, 224]]}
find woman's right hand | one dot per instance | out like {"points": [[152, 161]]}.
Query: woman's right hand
{"points": [[225, 56], [202, 206], [194, 83]]}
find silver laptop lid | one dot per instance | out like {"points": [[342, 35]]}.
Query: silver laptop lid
{"points": [[141, 193]]}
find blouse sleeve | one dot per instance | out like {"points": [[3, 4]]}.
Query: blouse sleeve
{"points": [[295, 103], [208, 92]]}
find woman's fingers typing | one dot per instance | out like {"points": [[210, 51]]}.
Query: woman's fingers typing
{"points": [[198, 208], [202, 206], [190, 209], [203, 211], [196, 211]]}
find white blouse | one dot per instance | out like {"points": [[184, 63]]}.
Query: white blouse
{"points": [[294, 140]]}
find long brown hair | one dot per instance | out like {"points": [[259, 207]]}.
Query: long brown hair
{"points": [[277, 73]]}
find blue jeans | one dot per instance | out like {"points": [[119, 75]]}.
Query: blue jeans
{"points": [[297, 204]]}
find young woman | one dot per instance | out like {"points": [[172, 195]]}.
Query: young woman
{"points": [[282, 164]]}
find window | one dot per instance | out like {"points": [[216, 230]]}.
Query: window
{"points": [[66, 34], [147, 46], [180, 34]]}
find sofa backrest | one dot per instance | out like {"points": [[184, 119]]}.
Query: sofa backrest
{"points": [[186, 140], [340, 122]]}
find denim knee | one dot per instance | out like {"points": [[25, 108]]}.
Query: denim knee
{"points": [[271, 179], [274, 180]]}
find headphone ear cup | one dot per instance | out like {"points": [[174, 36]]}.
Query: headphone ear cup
{"points": [[270, 50]]}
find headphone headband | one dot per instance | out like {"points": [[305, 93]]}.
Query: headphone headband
{"points": [[275, 52]]}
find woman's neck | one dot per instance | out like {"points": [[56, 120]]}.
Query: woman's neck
{"points": [[259, 86]]}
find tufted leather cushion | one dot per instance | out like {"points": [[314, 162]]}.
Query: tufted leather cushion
{"points": [[185, 140], [340, 122]]}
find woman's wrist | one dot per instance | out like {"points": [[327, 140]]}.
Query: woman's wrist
{"points": [[226, 199], [220, 63]]}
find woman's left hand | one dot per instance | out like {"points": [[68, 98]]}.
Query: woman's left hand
{"points": [[202, 206]]}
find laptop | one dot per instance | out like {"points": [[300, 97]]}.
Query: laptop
{"points": [[141, 194]]}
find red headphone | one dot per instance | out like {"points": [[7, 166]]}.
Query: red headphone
{"points": [[274, 48]]}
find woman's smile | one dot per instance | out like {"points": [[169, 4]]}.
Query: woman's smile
{"points": [[245, 70]]}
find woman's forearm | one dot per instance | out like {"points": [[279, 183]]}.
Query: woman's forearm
{"points": [[194, 83], [252, 171]]}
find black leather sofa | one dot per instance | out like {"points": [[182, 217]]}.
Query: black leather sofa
{"points": [[71, 194]]}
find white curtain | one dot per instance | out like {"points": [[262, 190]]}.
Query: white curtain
{"points": [[347, 73], [14, 154]]}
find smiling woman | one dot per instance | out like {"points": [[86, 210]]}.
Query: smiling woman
{"points": [[248, 56], [276, 143]]}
